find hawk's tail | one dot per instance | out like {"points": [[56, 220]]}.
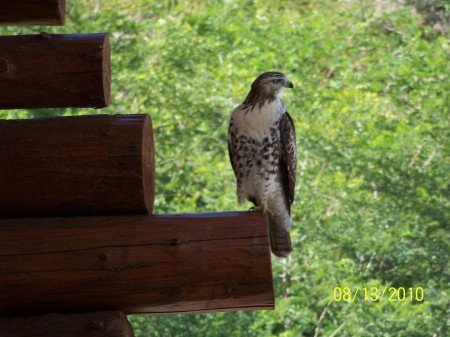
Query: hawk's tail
{"points": [[280, 239]]}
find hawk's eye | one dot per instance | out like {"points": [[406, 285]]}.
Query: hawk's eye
{"points": [[276, 81]]}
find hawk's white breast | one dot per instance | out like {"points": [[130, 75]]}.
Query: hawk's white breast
{"points": [[255, 122]]}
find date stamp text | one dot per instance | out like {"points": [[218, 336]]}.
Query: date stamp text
{"points": [[378, 294]]}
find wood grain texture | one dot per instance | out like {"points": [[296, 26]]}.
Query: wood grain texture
{"points": [[136, 264], [84, 165], [54, 71], [95, 324], [32, 12]]}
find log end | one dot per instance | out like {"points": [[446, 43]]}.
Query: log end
{"points": [[106, 67], [148, 164], [61, 13]]}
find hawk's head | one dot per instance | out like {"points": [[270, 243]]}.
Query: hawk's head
{"points": [[271, 83], [268, 86]]}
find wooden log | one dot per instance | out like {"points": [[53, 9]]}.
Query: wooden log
{"points": [[96, 324], [84, 165], [135, 264], [32, 12], [54, 71]]}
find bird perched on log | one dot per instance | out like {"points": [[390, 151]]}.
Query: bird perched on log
{"points": [[263, 154]]}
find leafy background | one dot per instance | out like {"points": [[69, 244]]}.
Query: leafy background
{"points": [[371, 109]]}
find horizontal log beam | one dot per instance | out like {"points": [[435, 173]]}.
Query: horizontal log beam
{"points": [[54, 71], [135, 264], [32, 12], [96, 324], [84, 165]]}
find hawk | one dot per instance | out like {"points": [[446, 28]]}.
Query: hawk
{"points": [[263, 154]]}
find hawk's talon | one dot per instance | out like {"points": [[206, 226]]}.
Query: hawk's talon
{"points": [[264, 209], [271, 213]]}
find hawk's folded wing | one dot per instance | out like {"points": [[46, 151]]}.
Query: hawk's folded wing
{"points": [[288, 162]]}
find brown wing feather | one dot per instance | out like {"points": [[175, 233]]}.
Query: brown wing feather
{"points": [[288, 165]]}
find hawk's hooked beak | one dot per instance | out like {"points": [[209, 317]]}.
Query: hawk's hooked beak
{"points": [[289, 85]]}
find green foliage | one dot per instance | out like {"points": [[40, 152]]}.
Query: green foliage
{"points": [[371, 109]]}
